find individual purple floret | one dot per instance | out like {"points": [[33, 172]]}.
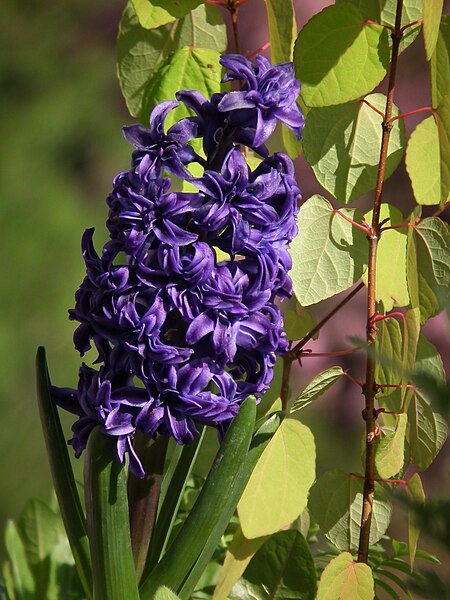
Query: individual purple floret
{"points": [[180, 303]]}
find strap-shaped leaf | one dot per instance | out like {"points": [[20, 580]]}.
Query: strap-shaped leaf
{"points": [[174, 483], [220, 493], [107, 521], [259, 444], [432, 10], [62, 474]]}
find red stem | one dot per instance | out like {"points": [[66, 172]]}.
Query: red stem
{"points": [[381, 113], [412, 112], [365, 229]]}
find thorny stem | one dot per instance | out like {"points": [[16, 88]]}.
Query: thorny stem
{"points": [[370, 387]]}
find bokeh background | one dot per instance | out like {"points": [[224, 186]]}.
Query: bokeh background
{"points": [[60, 145]]}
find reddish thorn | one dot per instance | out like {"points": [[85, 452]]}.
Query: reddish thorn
{"points": [[377, 431]]}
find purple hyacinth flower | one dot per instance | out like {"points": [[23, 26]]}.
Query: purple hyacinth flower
{"points": [[169, 150], [268, 94]]}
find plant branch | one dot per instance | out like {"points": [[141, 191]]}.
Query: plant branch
{"points": [[288, 359], [370, 388], [309, 336]]}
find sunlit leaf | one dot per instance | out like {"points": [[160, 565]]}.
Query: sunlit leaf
{"points": [[389, 457], [186, 69], [391, 286], [443, 125], [432, 10], [338, 57], [335, 142], [384, 12], [440, 64], [318, 386], [282, 29], [344, 578], [239, 554], [282, 476], [335, 502], [154, 13], [140, 51], [422, 162], [329, 254]]}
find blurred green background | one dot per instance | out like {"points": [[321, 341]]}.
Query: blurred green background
{"points": [[60, 147]]}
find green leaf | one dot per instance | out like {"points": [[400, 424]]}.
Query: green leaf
{"points": [[218, 498], [282, 568], [440, 64], [342, 145], [107, 520], [297, 323], [427, 428], [24, 587], [443, 125], [140, 51], [435, 234], [40, 529], [318, 386], [329, 254], [335, 502], [422, 162], [391, 285], [389, 457], [384, 12], [282, 29], [164, 593], [186, 69], [172, 488], [432, 10], [338, 57], [239, 554], [282, 476], [416, 495], [428, 253], [343, 578], [154, 13], [292, 145], [62, 474]]}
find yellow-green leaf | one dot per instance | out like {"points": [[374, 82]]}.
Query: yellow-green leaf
{"points": [[344, 579], [432, 11], [338, 57], [390, 451], [416, 495], [154, 13], [282, 476]]}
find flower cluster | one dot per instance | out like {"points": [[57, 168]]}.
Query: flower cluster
{"points": [[181, 303]]}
